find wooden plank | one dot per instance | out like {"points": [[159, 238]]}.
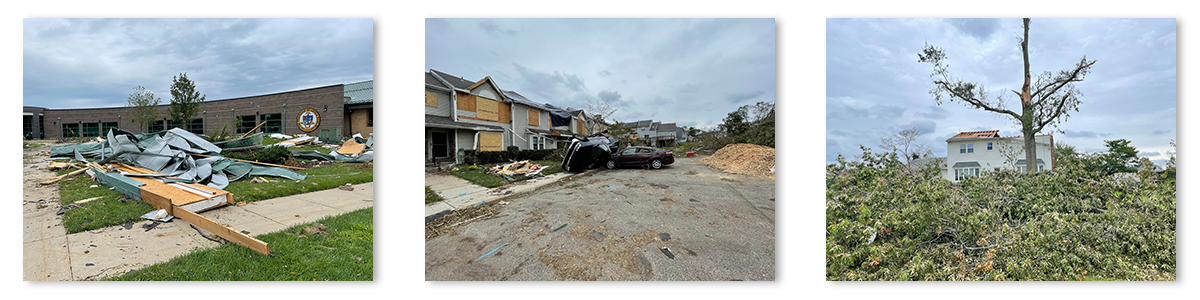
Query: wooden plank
{"points": [[253, 162], [56, 179], [252, 130], [157, 201], [224, 231], [351, 147]]}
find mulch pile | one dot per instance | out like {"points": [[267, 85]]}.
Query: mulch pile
{"points": [[747, 159]]}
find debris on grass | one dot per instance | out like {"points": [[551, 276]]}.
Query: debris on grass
{"points": [[346, 187]]}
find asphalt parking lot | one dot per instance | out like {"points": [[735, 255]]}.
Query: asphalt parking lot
{"points": [[615, 224]]}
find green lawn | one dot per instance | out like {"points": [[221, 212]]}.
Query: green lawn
{"points": [[106, 211], [343, 252], [109, 211], [33, 145], [491, 180], [325, 177], [431, 196]]}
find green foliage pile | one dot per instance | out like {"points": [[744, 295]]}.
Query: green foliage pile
{"points": [[751, 124], [886, 223]]}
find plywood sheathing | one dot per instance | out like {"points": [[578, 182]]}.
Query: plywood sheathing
{"points": [[351, 147]]}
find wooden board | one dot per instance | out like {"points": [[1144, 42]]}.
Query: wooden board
{"points": [[491, 141], [466, 101], [351, 147], [430, 99], [533, 117], [487, 109], [224, 231]]}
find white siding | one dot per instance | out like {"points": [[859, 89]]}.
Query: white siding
{"points": [[485, 90], [990, 159], [443, 108]]}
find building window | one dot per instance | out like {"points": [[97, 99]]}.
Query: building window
{"points": [[989, 146], [156, 126], [962, 148], [196, 126], [106, 127], [248, 122], [537, 142], [370, 117], [1041, 168], [970, 148], [91, 129], [274, 123], [70, 130]]}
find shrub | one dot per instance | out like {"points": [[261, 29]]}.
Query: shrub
{"points": [[885, 223], [274, 155]]}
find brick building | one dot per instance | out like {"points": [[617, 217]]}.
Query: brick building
{"points": [[282, 112]]}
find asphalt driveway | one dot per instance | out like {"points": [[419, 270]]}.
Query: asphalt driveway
{"points": [[615, 224]]}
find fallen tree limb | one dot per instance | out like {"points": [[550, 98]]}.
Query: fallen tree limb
{"points": [[253, 162], [56, 179]]}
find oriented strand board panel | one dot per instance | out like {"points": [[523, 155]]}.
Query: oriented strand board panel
{"points": [[533, 117], [491, 141], [487, 109], [430, 99], [466, 102], [580, 127]]}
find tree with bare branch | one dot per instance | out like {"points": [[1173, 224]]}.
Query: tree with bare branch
{"points": [[1044, 102], [903, 142]]}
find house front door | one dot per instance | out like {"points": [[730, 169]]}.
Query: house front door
{"points": [[441, 144]]}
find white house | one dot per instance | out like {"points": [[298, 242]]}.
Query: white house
{"points": [[974, 153]]}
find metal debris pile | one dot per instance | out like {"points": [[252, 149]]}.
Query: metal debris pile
{"points": [[747, 159]]}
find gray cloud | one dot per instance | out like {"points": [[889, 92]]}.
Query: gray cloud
{"points": [[492, 28], [742, 97], [840, 132], [924, 126], [568, 61], [611, 97], [871, 72], [935, 112], [73, 63], [1084, 134], [981, 29], [888, 111], [1149, 154]]}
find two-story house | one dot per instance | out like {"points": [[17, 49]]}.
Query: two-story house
{"points": [[461, 114], [974, 153], [531, 123]]}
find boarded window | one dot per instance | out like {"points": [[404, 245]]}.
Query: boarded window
{"points": [[430, 99], [491, 141], [533, 117], [579, 126], [487, 109]]}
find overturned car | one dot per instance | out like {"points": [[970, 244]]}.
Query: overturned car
{"points": [[588, 152]]}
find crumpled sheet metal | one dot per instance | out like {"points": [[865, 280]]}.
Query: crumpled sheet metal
{"points": [[168, 154]]}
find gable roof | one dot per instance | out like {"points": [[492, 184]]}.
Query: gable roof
{"points": [[518, 98], [976, 134], [643, 123], [666, 127], [430, 80], [457, 82], [360, 92]]}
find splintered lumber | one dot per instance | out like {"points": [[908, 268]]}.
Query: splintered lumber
{"points": [[252, 130], [185, 200], [253, 162], [56, 179], [87, 200], [223, 231]]}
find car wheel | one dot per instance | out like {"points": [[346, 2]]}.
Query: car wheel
{"points": [[656, 164], [611, 164]]}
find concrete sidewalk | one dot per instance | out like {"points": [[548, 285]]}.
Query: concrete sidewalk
{"points": [[461, 194], [50, 254]]}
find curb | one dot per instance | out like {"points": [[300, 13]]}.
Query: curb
{"points": [[435, 216]]}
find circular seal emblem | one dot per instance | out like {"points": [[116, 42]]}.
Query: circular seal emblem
{"points": [[308, 120]]}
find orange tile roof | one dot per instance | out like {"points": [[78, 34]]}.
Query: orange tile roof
{"points": [[977, 134]]}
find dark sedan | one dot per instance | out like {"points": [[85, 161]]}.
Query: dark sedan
{"points": [[641, 156]]}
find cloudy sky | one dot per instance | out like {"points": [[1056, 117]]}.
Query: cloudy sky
{"points": [[875, 85], [71, 63], [689, 71]]}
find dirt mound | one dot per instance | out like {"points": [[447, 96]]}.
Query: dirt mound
{"points": [[748, 159]]}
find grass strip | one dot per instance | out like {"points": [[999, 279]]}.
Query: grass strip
{"points": [[343, 251]]}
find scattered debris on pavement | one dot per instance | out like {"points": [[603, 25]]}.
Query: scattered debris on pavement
{"points": [[490, 252]]}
